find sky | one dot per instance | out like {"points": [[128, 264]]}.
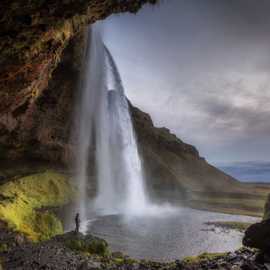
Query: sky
{"points": [[202, 69]]}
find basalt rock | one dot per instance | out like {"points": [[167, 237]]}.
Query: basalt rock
{"points": [[43, 132], [258, 236]]}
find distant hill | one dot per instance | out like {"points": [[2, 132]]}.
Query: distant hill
{"points": [[251, 171], [175, 171]]}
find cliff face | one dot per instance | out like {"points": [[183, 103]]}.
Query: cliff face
{"points": [[33, 36], [174, 165], [41, 129], [176, 172]]}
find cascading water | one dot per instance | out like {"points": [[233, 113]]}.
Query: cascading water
{"points": [[104, 124], [126, 175], [90, 107]]}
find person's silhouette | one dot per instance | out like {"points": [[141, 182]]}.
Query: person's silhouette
{"points": [[77, 223]]}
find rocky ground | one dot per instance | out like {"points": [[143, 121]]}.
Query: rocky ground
{"points": [[77, 252], [241, 259]]}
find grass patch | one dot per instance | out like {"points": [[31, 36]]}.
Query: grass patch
{"points": [[203, 258], [22, 198], [250, 201]]}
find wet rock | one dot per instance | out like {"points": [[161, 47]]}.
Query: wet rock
{"points": [[118, 254], [179, 265], [80, 243], [55, 254], [258, 236], [19, 239], [86, 265]]}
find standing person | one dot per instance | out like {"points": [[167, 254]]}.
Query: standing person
{"points": [[77, 223]]}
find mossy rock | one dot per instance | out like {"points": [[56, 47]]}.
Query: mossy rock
{"points": [[25, 196], [121, 259], [86, 244], [3, 247], [203, 258]]}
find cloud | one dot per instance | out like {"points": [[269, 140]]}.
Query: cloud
{"points": [[220, 112], [200, 68]]}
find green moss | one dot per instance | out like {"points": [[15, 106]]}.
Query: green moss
{"points": [[93, 246], [23, 197], [46, 224], [3, 247], [98, 246], [119, 261], [202, 257]]}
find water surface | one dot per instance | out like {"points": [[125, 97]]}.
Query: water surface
{"points": [[171, 236]]}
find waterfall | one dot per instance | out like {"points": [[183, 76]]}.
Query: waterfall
{"points": [[126, 168], [90, 106], [104, 125]]}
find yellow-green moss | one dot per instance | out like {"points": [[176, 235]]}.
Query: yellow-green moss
{"points": [[23, 197], [119, 261], [202, 257], [3, 247], [95, 246]]}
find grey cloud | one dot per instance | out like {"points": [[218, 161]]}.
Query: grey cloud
{"points": [[201, 68]]}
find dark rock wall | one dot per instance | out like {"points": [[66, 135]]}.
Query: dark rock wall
{"points": [[43, 127], [172, 165]]}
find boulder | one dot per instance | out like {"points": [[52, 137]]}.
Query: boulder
{"points": [[258, 236], [84, 243], [266, 214]]}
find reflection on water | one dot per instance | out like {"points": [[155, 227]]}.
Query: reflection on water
{"points": [[168, 237]]}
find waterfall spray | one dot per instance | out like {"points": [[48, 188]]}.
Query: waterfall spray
{"points": [[104, 126], [128, 173], [89, 104]]}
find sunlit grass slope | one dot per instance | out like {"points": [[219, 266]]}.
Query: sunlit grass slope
{"points": [[22, 200]]}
